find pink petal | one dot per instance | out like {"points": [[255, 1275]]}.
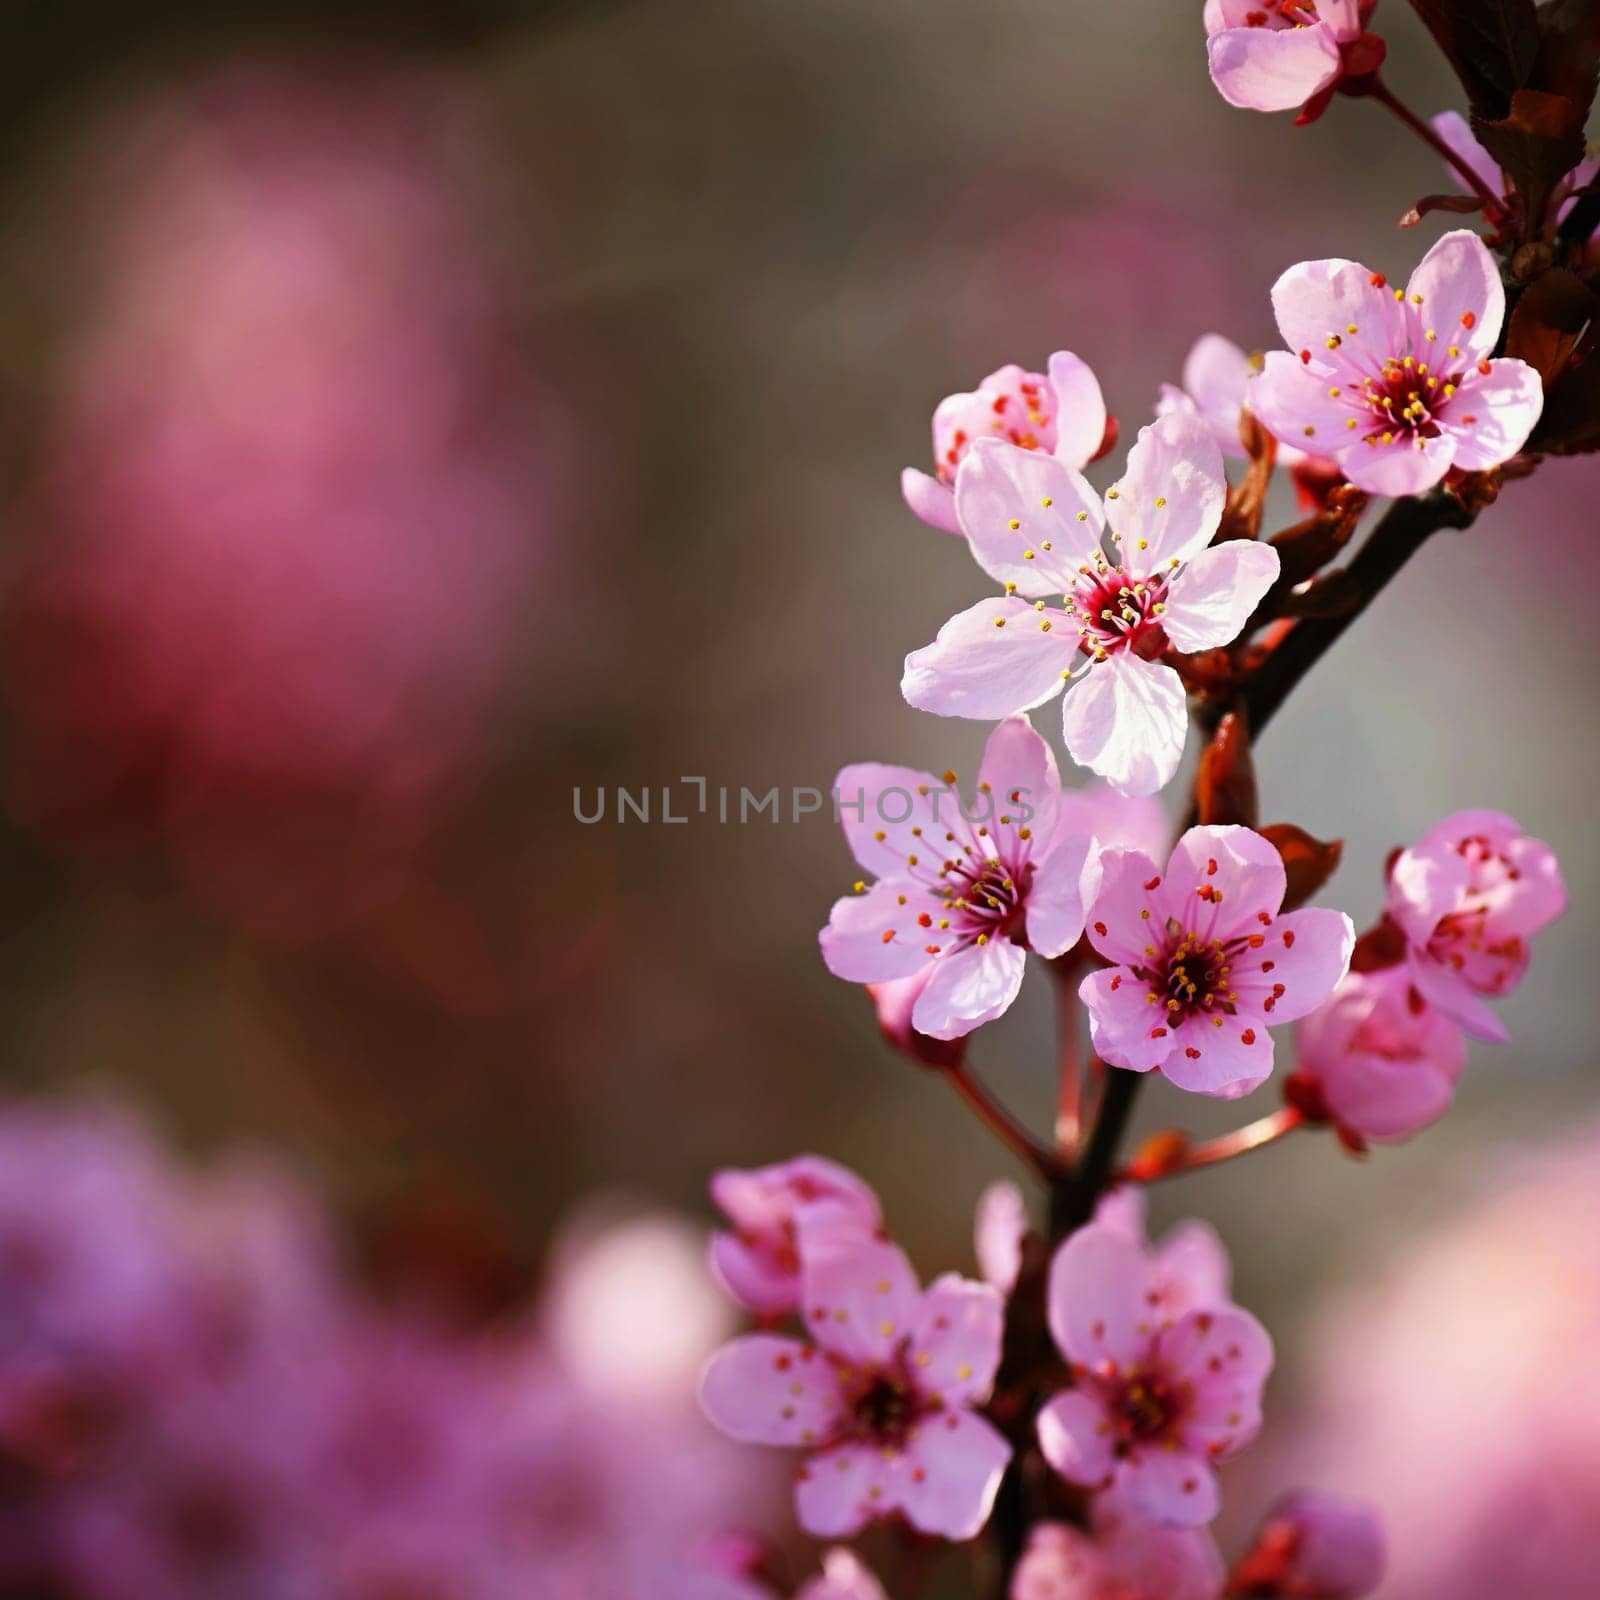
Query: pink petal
{"points": [[764, 1389], [1169, 1486], [833, 1496], [999, 1229], [999, 485], [1338, 1544], [1271, 69], [1290, 396], [1462, 298], [1020, 770], [1174, 461], [955, 1341], [1447, 992], [1080, 410], [1454, 129], [1505, 404], [1074, 1439], [1054, 906], [875, 799], [1407, 465], [843, 1578], [1216, 374], [929, 500], [1097, 1305], [1225, 1355], [952, 1470], [1227, 1061], [1116, 926], [853, 944], [1194, 1264], [1220, 879], [1125, 1029], [1131, 822], [1310, 952], [969, 987], [1212, 596], [978, 669], [1318, 300], [1426, 883], [1385, 1097], [859, 1298], [1127, 720]]}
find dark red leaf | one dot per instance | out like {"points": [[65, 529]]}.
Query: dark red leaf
{"points": [[1538, 142], [1550, 317], [1308, 862], [1462, 203], [1492, 44]]}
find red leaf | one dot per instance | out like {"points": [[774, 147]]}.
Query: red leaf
{"points": [[1307, 862]]}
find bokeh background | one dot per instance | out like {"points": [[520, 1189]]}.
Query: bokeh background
{"points": [[410, 415]]}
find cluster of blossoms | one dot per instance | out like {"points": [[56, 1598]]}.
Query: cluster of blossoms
{"points": [[197, 1403], [1104, 1377]]}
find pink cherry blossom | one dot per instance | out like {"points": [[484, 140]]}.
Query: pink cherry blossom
{"points": [[758, 1261], [883, 1399], [1123, 1558], [1468, 896], [1457, 133], [962, 890], [1313, 1547], [1062, 414], [1206, 962], [1190, 1270], [999, 1229], [1382, 1061], [1274, 55], [1398, 385], [1036, 526], [1156, 1399]]}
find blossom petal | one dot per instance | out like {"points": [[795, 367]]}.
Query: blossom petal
{"points": [[955, 1340], [1272, 69], [1504, 404], [1454, 129], [1211, 598], [1170, 495], [843, 1578], [989, 661], [859, 1297], [1222, 1056], [1446, 991], [1426, 883], [854, 946], [1225, 1356], [1125, 1028], [1098, 1307], [969, 987], [1319, 301], [879, 805], [834, 1495], [1309, 952], [998, 1231], [1289, 397], [1169, 1486], [1456, 291], [1019, 770], [1232, 874], [1128, 720], [1074, 1439], [1054, 906], [951, 1473], [1013, 501], [1406, 465], [1080, 410], [764, 1389], [929, 500], [1216, 375], [1117, 927]]}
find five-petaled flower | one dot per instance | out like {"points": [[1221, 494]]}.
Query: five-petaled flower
{"points": [[1206, 962], [1377, 1060], [1036, 527], [1121, 1558], [1062, 414], [962, 890], [1398, 385], [1156, 1400], [1468, 895], [758, 1260], [1274, 55], [883, 1400]]}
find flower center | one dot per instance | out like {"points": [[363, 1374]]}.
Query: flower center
{"points": [[1191, 979], [1145, 1409], [1116, 612], [1282, 14], [1404, 397], [986, 898], [883, 1409]]}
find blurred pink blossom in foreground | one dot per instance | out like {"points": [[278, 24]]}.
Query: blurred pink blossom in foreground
{"points": [[195, 1404], [294, 494]]}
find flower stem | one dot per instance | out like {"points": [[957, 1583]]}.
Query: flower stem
{"points": [[1069, 1092], [1494, 208], [1253, 1136], [1000, 1122]]}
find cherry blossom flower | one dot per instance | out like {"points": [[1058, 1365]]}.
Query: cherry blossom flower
{"points": [[998, 1231], [1468, 896], [1313, 1547], [1190, 1270], [758, 1261], [1036, 526], [1274, 55], [1123, 1558], [1156, 1399], [1062, 414], [1457, 133], [963, 890], [1206, 962], [1398, 385], [1377, 1058], [883, 1399]]}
